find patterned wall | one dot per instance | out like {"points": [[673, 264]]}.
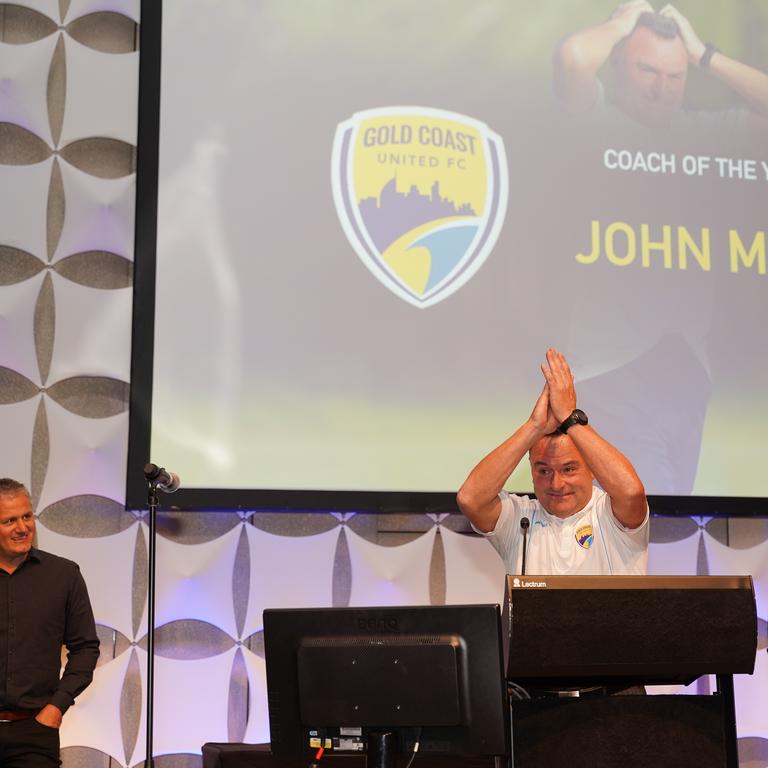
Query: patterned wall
{"points": [[68, 106]]}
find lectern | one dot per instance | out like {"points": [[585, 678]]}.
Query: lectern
{"points": [[568, 632]]}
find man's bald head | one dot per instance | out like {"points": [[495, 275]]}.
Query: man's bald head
{"points": [[562, 480]]}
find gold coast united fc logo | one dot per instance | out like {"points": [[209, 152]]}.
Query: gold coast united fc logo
{"points": [[421, 195]]}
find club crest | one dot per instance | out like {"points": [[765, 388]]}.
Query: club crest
{"points": [[584, 536], [421, 195]]}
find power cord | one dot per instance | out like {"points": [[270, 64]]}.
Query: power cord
{"points": [[415, 748], [318, 757], [517, 691]]}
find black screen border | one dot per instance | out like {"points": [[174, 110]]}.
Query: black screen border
{"points": [[484, 729], [142, 362]]}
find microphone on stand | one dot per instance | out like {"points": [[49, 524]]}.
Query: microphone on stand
{"points": [[524, 525], [161, 478], [168, 482]]}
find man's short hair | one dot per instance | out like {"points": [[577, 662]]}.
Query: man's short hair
{"points": [[662, 26], [10, 487]]}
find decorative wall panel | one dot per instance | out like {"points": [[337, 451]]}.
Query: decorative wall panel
{"points": [[23, 205], [68, 116], [474, 573]]}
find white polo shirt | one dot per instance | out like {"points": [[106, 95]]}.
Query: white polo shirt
{"points": [[591, 542]]}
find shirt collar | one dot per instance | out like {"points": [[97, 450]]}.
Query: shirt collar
{"points": [[35, 554]]}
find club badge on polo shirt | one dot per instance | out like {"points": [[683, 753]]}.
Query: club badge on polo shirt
{"points": [[584, 536]]}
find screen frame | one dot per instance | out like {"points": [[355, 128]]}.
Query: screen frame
{"points": [[142, 352], [477, 627]]}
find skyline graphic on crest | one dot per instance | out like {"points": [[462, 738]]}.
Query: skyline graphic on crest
{"points": [[393, 213], [421, 195]]}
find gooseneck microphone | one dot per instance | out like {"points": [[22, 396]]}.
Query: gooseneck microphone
{"points": [[524, 525], [161, 478]]}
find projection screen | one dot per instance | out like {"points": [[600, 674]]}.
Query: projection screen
{"points": [[374, 218]]}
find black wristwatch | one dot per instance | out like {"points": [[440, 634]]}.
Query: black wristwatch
{"points": [[577, 417], [709, 51]]}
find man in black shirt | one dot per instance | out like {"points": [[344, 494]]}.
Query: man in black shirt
{"points": [[43, 605]]}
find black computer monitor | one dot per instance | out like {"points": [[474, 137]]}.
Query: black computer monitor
{"points": [[340, 677]]}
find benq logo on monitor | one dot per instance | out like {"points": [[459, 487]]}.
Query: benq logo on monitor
{"points": [[377, 625], [421, 195]]}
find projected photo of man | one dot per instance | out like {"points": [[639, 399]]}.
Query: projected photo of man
{"points": [[651, 54]]}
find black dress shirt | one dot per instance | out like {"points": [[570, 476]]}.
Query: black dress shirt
{"points": [[43, 605]]}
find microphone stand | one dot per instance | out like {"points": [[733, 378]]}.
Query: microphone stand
{"points": [[152, 507], [524, 523]]}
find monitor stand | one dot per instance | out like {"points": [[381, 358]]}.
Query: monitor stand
{"points": [[381, 749]]}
